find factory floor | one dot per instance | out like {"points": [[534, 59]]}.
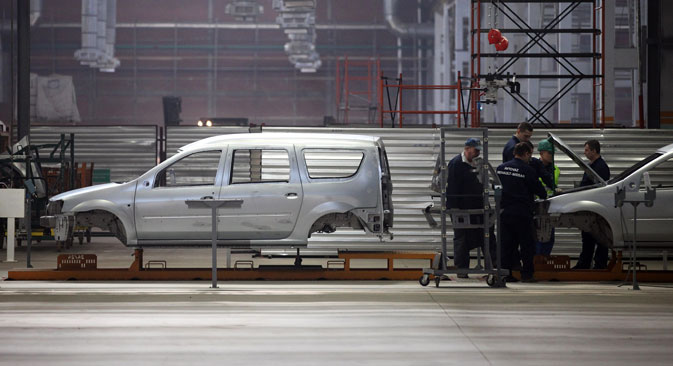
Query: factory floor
{"points": [[323, 322]]}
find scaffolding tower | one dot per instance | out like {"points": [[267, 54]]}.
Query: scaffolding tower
{"points": [[568, 74]]}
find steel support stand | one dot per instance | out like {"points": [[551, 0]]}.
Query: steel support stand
{"points": [[214, 205], [213, 237], [633, 246], [648, 200]]}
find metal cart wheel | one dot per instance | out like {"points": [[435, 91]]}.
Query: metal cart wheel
{"points": [[496, 281], [424, 280], [80, 237], [438, 279]]}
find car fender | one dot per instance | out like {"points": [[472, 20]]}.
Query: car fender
{"points": [[599, 209], [125, 215], [319, 211]]}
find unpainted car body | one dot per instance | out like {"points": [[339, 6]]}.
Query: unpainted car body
{"points": [[594, 209], [290, 184]]}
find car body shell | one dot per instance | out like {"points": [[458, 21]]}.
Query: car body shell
{"points": [[143, 213], [595, 209]]}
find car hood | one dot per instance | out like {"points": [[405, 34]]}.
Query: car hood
{"points": [[80, 191], [587, 169]]}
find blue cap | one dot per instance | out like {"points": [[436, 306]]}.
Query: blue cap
{"points": [[473, 142]]}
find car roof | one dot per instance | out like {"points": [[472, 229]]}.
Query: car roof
{"points": [[313, 138], [665, 149]]}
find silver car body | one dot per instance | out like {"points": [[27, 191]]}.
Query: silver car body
{"points": [[593, 208], [142, 212]]}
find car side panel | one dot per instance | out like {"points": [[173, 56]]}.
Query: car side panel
{"points": [[340, 195]]}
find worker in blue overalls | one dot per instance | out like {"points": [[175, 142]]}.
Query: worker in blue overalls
{"points": [[546, 150], [520, 184], [464, 191]]}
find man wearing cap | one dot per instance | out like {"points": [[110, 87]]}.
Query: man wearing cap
{"points": [[464, 191], [523, 133], [546, 150], [520, 184]]}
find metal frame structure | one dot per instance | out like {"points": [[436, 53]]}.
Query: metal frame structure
{"points": [[496, 276], [84, 267], [352, 81], [398, 110], [536, 37]]}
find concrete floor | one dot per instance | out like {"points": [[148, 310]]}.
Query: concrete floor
{"points": [[324, 323]]}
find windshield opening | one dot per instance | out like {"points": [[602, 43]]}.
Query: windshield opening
{"points": [[635, 167]]}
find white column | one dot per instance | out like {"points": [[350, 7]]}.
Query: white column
{"points": [[13, 206], [10, 239], [442, 62], [533, 64], [610, 58], [564, 106]]}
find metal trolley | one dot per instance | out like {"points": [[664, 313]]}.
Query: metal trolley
{"points": [[461, 218]]}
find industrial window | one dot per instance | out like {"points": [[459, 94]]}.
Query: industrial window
{"points": [[198, 169], [661, 176], [332, 163], [624, 99], [624, 24], [260, 166]]}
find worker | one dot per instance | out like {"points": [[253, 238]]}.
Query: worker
{"points": [[464, 191], [543, 174], [523, 133], [520, 184], [592, 151], [546, 150]]}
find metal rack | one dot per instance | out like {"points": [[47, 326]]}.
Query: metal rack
{"points": [[536, 38], [439, 270], [356, 91], [396, 110]]}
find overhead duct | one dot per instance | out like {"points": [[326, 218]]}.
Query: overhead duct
{"points": [[101, 29], [109, 63], [400, 29], [35, 11], [89, 53], [297, 19], [244, 10], [98, 35]]}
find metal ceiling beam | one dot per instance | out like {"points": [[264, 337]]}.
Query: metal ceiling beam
{"points": [[233, 25]]}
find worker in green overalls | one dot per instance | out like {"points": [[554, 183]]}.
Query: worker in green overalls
{"points": [[546, 149]]}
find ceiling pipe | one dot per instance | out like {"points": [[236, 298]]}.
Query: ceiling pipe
{"points": [[109, 63], [400, 29], [89, 53]]}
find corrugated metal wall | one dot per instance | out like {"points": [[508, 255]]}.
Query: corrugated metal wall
{"points": [[127, 151], [412, 154], [179, 136]]}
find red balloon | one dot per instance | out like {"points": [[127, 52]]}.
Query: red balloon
{"points": [[494, 36], [502, 44]]}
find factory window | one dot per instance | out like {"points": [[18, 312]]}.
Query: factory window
{"points": [[466, 33], [198, 169], [260, 166], [624, 100], [624, 24], [332, 163]]}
